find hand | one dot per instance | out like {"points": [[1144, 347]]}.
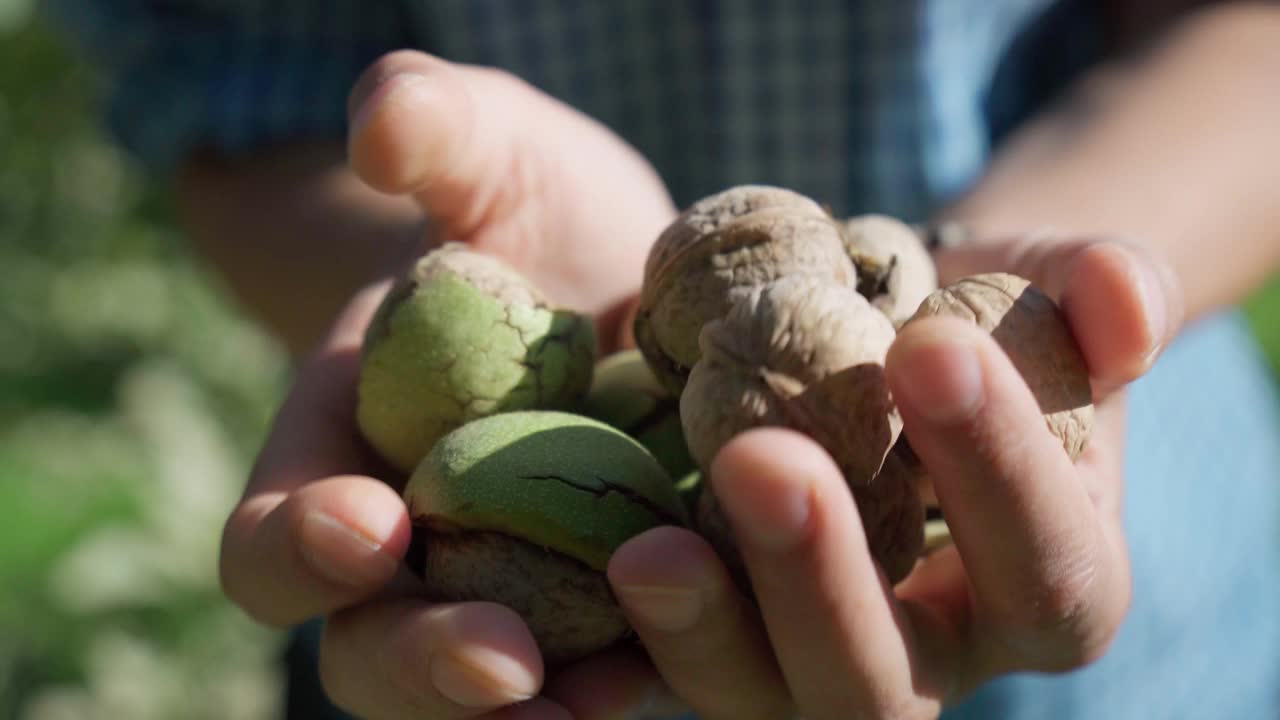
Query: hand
{"points": [[321, 529], [1038, 577]]}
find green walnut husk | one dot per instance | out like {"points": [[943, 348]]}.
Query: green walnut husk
{"points": [[627, 395], [459, 337], [525, 509], [690, 488]]}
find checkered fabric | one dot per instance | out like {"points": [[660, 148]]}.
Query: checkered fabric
{"points": [[868, 106]]}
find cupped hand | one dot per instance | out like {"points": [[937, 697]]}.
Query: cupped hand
{"points": [[321, 529], [1038, 577]]}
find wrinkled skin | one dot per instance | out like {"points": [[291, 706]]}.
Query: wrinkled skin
{"points": [[717, 253], [808, 356]]}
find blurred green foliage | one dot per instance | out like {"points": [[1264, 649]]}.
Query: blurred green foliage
{"points": [[1263, 311], [132, 397]]}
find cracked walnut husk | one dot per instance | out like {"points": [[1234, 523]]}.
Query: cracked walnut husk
{"points": [[525, 508], [461, 336]]}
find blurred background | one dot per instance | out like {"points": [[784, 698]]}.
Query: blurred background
{"points": [[133, 395]]}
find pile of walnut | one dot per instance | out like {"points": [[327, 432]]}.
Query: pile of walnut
{"points": [[528, 460], [760, 309]]}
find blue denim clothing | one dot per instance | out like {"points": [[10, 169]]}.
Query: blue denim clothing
{"points": [[869, 106], [1202, 517]]}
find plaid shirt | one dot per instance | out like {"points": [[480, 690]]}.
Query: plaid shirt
{"points": [[868, 106]]}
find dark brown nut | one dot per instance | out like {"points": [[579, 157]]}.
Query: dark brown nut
{"points": [[808, 356], [717, 252], [1034, 333], [895, 270], [893, 516]]}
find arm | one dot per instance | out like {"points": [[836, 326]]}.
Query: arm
{"points": [[1176, 151]]}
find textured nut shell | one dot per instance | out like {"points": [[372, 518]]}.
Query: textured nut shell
{"points": [[715, 211], [568, 606], [895, 270], [1033, 332], [893, 517], [699, 280], [809, 356], [801, 354], [460, 337]]}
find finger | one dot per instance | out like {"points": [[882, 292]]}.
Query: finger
{"points": [[418, 125], [402, 659], [1123, 308], [828, 609], [314, 434], [295, 546], [1047, 585], [332, 543], [618, 684], [704, 637], [1124, 305]]}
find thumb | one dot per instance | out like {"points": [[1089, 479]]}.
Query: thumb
{"points": [[437, 130], [1123, 302]]}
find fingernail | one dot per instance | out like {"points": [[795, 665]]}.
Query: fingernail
{"points": [[669, 609], [481, 678], [942, 378], [1153, 303], [345, 554]]}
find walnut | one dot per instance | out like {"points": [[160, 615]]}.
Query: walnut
{"points": [[1034, 333], [717, 252], [895, 270], [807, 355]]}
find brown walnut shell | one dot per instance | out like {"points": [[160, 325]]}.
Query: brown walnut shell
{"points": [[716, 253], [895, 270], [808, 356], [1034, 333]]}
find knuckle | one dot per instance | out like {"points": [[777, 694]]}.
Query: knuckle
{"points": [[1064, 622]]}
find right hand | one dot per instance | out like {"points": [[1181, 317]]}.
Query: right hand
{"points": [[321, 529]]}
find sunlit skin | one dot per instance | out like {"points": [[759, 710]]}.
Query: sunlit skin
{"points": [[1038, 578]]}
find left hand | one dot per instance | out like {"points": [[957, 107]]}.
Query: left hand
{"points": [[1038, 578]]}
